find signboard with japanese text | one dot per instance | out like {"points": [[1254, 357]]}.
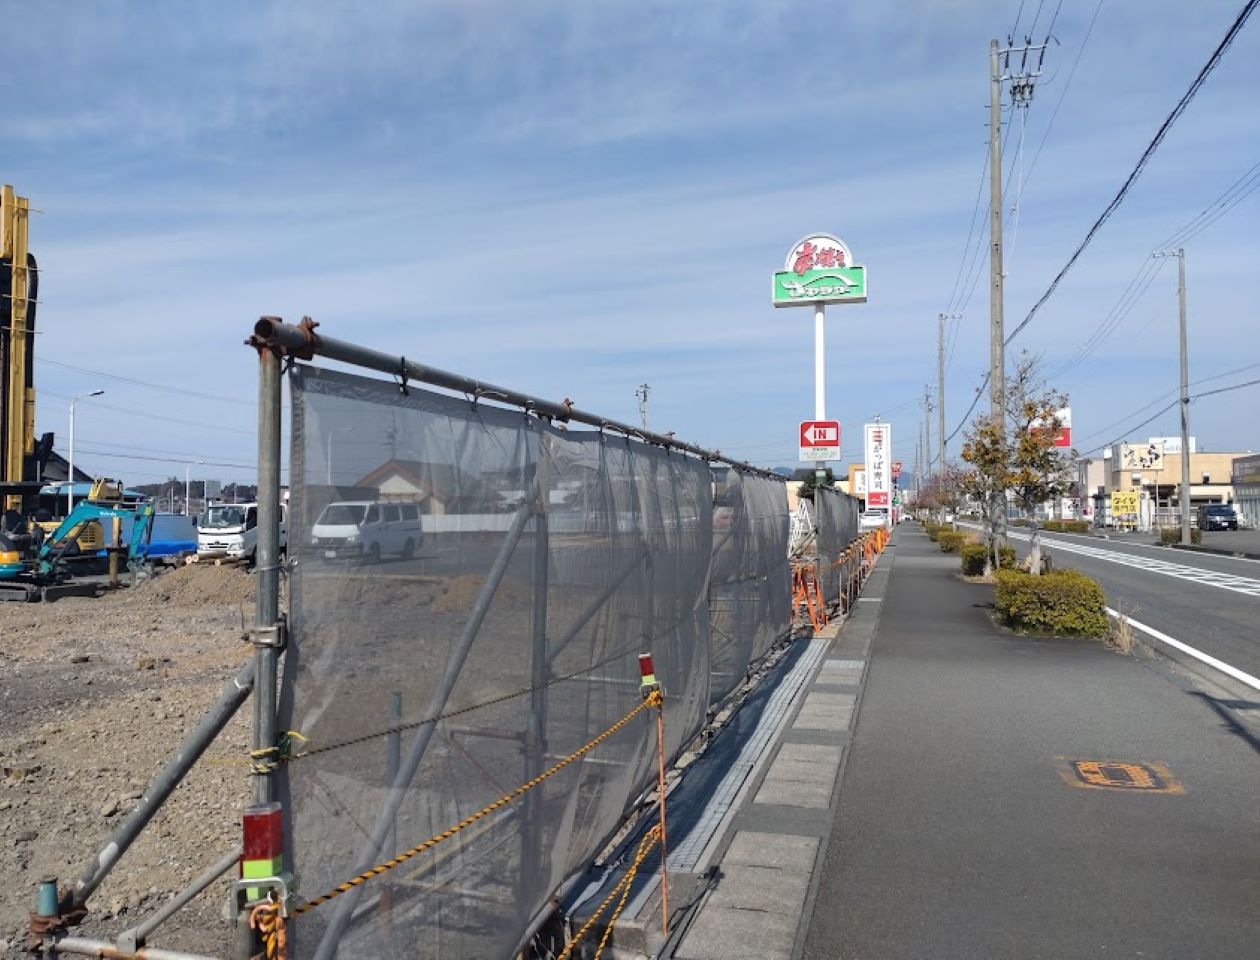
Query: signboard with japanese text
{"points": [[878, 464], [1142, 456], [819, 269], [820, 439], [1124, 503]]}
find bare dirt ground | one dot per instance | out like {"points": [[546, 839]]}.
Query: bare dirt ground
{"points": [[96, 695]]}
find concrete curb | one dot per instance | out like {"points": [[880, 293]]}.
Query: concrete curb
{"points": [[765, 871], [1203, 667], [1218, 551]]}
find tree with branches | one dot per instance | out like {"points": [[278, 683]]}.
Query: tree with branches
{"points": [[1018, 454]]}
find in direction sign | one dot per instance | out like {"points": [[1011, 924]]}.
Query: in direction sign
{"points": [[820, 439]]}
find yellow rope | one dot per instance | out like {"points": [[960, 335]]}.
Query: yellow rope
{"points": [[653, 699], [622, 887], [266, 919]]}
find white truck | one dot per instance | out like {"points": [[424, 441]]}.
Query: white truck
{"points": [[229, 531]]}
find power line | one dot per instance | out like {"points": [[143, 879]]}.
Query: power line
{"points": [[1149, 268], [1144, 407], [143, 383], [1053, 20], [1133, 293], [1067, 83], [87, 451], [1143, 160], [1232, 196], [97, 405], [1036, 17], [1160, 412]]}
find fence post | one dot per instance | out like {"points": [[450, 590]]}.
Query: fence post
{"points": [[268, 636], [540, 672]]}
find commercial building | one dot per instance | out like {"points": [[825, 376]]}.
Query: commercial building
{"points": [[1154, 469], [1245, 475]]}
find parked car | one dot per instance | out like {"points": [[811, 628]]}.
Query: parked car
{"points": [[367, 530], [1218, 516], [230, 531], [872, 520]]}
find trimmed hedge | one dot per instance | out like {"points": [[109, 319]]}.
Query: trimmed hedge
{"points": [[951, 541], [1066, 526], [1169, 535], [1064, 603], [934, 530], [973, 557]]}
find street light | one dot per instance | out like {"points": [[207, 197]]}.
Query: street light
{"points": [[70, 489], [188, 483]]}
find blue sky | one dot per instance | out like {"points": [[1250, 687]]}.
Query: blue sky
{"points": [[574, 198]]}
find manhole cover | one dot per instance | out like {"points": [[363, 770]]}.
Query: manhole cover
{"points": [[1120, 775]]}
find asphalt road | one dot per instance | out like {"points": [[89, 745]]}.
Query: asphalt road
{"points": [[966, 828], [1208, 601]]}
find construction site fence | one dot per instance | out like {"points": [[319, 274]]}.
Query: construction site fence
{"points": [[471, 587], [837, 517]]}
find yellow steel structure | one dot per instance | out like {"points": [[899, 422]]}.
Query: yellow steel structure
{"points": [[19, 439]]}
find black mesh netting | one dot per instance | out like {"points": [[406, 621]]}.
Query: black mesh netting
{"points": [[449, 554]]}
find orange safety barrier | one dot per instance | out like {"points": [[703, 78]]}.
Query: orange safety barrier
{"points": [[807, 594]]}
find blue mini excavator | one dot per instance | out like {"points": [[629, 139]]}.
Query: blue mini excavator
{"points": [[35, 565]]}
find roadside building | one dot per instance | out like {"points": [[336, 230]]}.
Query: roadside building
{"points": [[1154, 471], [1245, 476], [1090, 491]]}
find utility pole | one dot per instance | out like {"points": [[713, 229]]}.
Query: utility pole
{"points": [[1023, 82], [997, 335], [997, 339], [642, 393], [940, 386], [1180, 254], [918, 473], [927, 428]]}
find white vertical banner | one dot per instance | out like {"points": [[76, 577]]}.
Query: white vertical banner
{"points": [[878, 465]]}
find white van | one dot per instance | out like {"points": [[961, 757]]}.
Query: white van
{"points": [[367, 530], [229, 531]]}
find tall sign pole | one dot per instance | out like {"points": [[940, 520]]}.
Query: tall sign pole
{"points": [[820, 367], [819, 270]]}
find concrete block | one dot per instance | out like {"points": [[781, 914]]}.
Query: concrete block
{"points": [[824, 710]]}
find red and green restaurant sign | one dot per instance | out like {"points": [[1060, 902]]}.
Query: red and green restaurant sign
{"points": [[819, 269]]}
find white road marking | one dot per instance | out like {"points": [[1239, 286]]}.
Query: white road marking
{"points": [[1211, 661], [1211, 578], [1156, 546]]}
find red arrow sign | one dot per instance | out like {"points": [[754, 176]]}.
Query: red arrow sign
{"points": [[820, 433]]}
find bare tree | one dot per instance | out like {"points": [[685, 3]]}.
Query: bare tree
{"points": [[1018, 455], [987, 450], [1039, 470]]}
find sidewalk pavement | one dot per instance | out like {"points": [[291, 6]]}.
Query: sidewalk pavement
{"points": [[1013, 797]]}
